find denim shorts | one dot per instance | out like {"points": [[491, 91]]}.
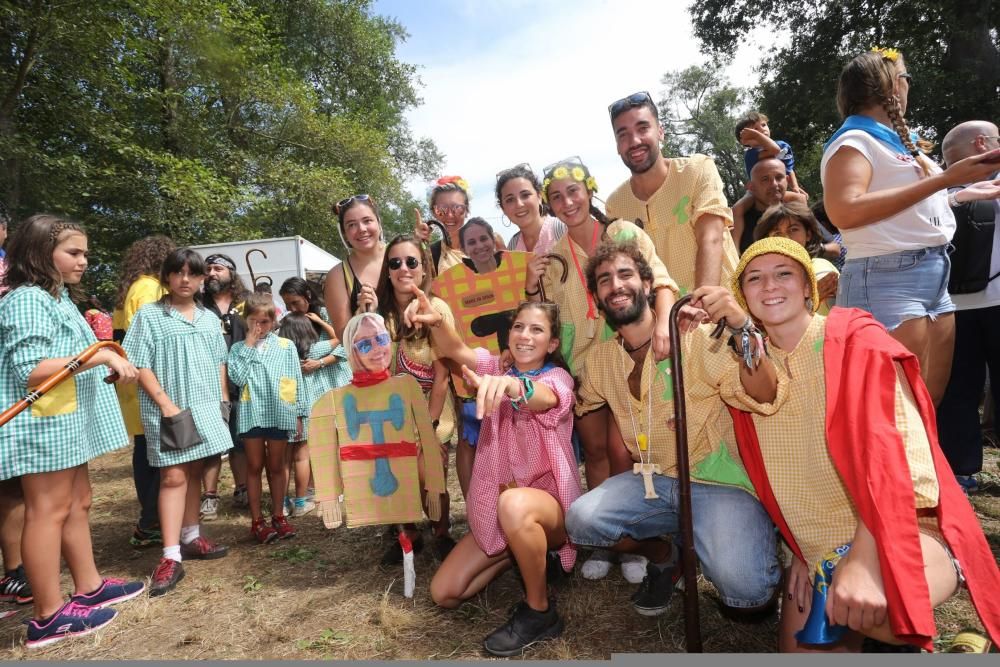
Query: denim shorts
{"points": [[266, 433], [900, 286], [470, 425], [733, 536]]}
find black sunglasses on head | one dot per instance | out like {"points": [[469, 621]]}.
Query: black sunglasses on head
{"points": [[396, 262], [632, 101]]}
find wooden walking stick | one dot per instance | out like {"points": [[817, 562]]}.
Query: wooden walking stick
{"points": [[254, 278], [565, 272], [689, 563], [71, 366]]}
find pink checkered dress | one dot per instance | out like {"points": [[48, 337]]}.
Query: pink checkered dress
{"points": [[532, 449]]}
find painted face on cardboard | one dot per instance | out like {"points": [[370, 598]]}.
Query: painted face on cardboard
{"points": [[371, 347]]}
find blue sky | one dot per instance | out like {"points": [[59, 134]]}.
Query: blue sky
{"points": [[511, 81]]}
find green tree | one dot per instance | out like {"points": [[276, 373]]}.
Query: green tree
{"points": [[207, 120], [698, 112], [951, 48]]}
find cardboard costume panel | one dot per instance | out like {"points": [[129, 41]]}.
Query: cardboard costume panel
{"points": [[483, 302], [367, 444]]}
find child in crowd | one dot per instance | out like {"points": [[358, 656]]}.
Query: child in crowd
{"points": [[178, 347], [272, 404], [754, 134], [795, 221], [524, 476], [324, 366], [47, 447]]}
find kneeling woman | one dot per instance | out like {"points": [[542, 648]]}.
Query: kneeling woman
{"points": [[834, 465], [524, 477]]}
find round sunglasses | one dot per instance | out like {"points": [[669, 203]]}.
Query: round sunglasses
{"points": [[395, 263]]}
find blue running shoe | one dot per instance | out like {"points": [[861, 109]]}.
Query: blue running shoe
{"points": [[72, 620], [112, 591]]}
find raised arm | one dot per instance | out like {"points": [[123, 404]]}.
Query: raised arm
{"points": [[444, 338], [848, 176]]}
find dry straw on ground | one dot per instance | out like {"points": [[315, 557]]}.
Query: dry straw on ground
{"points": [[322, 595]]}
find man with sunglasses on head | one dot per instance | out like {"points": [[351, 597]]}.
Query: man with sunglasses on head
{"points": [[679, 200], [224, 294]]}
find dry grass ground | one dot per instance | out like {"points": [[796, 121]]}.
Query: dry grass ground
{"points": [[322, 595]]}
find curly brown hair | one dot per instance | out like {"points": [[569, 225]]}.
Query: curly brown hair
{"points": [[143, 258], [610, 249]]}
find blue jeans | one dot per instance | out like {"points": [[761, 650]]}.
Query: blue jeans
{"points": [[897, 287], [733, 536]]}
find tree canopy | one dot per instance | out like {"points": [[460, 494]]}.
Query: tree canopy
{"points": [[951, 48], [207, 120]]}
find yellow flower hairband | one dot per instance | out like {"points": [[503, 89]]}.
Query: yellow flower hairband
{"points": [[578, 174], [889, 54]]}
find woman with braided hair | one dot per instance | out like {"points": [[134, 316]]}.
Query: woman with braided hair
{"points": [[892, 207]]}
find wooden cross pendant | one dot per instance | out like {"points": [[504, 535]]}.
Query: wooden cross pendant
{"points": [[647, 470]]}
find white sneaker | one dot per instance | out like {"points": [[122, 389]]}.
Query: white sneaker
{"points": [[597, 566], [209, 508], [633, 568], [304, 508]]}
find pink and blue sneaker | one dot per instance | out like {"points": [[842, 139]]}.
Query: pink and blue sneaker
{"points": [[111, 591], [72, 620]]}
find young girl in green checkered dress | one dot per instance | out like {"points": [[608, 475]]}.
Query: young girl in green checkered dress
{"points": [[47, 447], [177, 345], [272, 405]]}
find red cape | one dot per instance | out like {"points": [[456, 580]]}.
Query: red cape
{"points": [[867, 451]]}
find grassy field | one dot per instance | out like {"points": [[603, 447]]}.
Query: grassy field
{"points": [[323, 595]]}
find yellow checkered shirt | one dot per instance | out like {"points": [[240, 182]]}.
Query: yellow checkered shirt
{"points": [[692, 189], [792, 435], [712, 450]]}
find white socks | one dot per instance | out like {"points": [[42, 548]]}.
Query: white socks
{"points": [[598, 565], [190, 533], [173, 553], [633, 568]]}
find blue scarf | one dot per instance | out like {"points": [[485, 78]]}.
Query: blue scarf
{"points": [[876, 129], [535, 373]]}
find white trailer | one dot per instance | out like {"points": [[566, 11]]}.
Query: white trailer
{"points": [[274, 260]]}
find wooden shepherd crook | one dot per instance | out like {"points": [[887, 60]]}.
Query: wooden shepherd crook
{"points": [[71, 366], [689, 563]]}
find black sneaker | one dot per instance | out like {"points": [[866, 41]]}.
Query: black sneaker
{"points": [[14, 587], [653, 596], [525, 627]]}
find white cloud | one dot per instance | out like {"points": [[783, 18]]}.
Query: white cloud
{"points": [[540, 93]]}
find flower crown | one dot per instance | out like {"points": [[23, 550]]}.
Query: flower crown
{"points": [[448, 180], [889, 54], [578, 173]]}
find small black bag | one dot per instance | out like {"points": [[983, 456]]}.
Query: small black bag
{"points": [[179, 432], [973, 253]]}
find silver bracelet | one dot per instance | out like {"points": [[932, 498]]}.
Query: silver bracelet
{"points": [[953, 199]]}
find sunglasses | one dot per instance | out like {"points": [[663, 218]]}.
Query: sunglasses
{"points": [[395, 263], [524, 166], [634, 100], [456, 209], [344, 203], [907, 76], [365, 345], [573, 161]]}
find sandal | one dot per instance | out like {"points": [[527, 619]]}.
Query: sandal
{"points": [[970, 641]]}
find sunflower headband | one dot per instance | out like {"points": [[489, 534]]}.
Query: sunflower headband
{"points": [[570, 168], [891, 55], [448, 180]]}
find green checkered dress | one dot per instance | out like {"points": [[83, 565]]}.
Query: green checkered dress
{"points": [[269, 375], [324, 379], [76, 421], [187, 358]]}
